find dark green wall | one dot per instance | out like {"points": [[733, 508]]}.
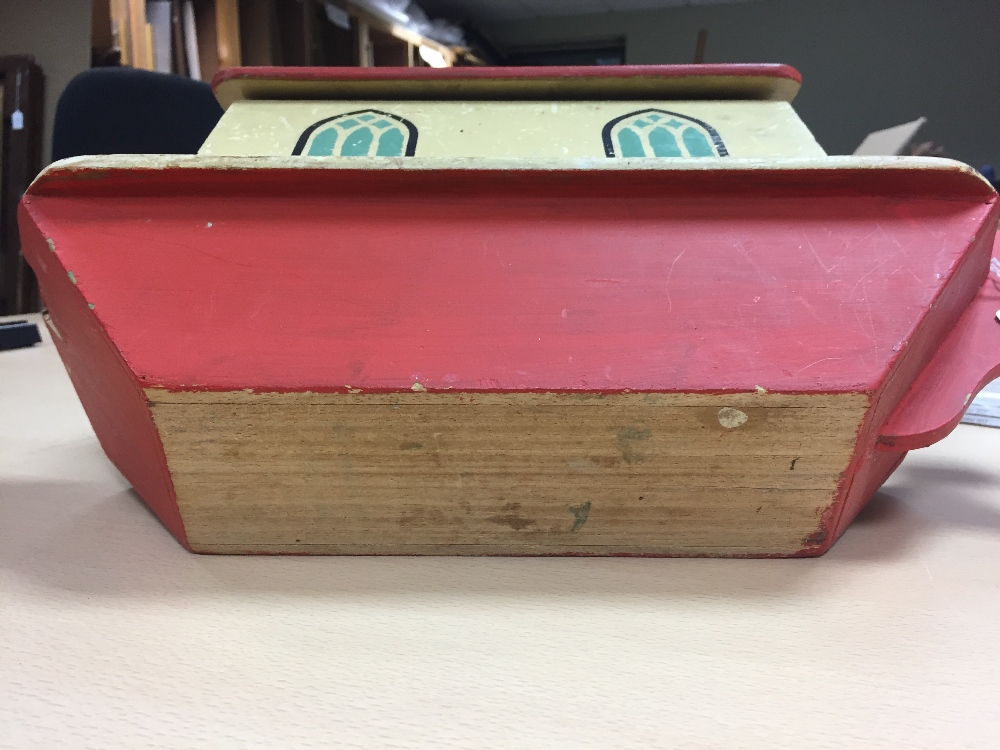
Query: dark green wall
{"points": [[866, 64]]}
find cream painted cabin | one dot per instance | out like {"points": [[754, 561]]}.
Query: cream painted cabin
{"points": [[512, 129], [694, 117]]}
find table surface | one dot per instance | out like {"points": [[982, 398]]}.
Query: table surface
{"points": [[112, 636]]}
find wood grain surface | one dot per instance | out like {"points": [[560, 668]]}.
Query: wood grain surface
{"points": [[508, 474], [714, 81]]}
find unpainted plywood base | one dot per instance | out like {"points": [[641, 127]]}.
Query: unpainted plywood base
{"points": [[460, 473]]}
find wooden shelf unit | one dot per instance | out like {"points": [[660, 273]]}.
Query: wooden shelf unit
{"points": [[263, 32]]}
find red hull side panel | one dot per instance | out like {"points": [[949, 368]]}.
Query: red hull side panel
{"points": [[967, 359], [285, 280], [108, 390]]}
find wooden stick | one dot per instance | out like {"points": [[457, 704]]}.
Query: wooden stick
{"points": [[699, 46]]}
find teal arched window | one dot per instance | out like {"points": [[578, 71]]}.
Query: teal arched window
{"points": [[657, 132], [367, 132]]}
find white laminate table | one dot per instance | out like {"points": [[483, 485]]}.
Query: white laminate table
{"points": [[112, 636]]}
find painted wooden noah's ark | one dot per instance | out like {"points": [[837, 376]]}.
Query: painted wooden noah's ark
{"points": [[515, 311]]}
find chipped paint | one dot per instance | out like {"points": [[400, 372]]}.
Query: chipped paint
{"points": [[511, 516], [627, 439], [418, 388], [72, 278], [51, 325], [93, 167], [580, 513], [51, 244], [731, 418]]}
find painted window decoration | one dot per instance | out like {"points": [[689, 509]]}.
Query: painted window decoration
{"points": [[657, 132], [367, 132]]}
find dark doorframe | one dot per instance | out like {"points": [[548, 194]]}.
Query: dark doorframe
{"points": [[21, 159]]}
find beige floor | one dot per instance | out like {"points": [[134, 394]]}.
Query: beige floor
{"points": [[112, 636]]}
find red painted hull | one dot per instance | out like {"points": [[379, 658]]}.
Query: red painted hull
{"points": [[794, 280]]}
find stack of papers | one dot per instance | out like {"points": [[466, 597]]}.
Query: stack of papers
{"points": [[891, 141], [985, 408]]}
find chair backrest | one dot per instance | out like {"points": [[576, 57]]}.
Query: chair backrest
{"points": [[129, 111]]}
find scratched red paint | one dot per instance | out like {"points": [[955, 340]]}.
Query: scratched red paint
{"points": [[508, 282], [967, 359]]}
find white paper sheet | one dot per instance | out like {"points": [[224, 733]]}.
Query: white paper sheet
{"points": [[891, 141]]}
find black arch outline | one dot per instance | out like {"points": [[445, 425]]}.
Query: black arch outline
{"points": [[609, 147], [411, 142]]}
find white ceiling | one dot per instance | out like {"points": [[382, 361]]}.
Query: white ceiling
{"points": [[518, 10]]}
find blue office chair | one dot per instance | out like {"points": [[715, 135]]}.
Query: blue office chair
{"points": [[130, 111]]}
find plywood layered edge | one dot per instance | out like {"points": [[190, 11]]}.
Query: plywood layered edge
{"points": [[762, 82], [514, 473]]}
